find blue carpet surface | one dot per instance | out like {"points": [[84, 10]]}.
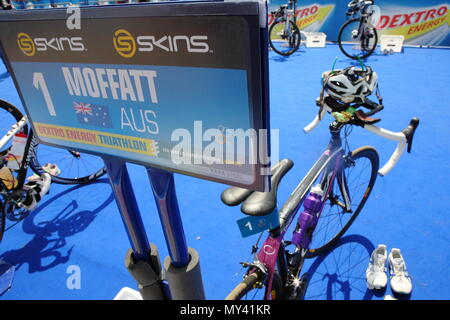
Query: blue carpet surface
{"points": [[408, 209]]}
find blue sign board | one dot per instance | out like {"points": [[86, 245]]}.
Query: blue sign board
{"points": [[179, 86]]}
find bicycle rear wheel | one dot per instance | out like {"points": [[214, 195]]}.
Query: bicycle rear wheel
{"points": [[359, 175], [74, 167], [356, 43], [282, 43], [251, 288]]}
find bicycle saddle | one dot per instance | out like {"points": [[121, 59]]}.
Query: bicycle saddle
{"points": [[258, 203]]}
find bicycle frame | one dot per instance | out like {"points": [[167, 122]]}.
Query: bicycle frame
{"points": [[363, 21], [272, 251], [288, 16], [26, 158]]}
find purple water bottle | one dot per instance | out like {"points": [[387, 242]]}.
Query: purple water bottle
{"points": [[308, 218]]}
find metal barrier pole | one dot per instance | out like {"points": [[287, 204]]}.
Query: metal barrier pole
{"points": [[182, 267], [142, 260]]}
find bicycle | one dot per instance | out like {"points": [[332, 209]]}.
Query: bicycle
{"points": [[63, 166], [284, 35], [358, 37], [332, 193]]}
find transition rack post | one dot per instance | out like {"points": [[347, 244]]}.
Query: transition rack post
{"points": [[182, 267], [142, 260]]}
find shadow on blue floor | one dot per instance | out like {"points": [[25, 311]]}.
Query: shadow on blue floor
{"points": [[49, 237], [4, 76], [336, 270], [280, 58], [339, 274]]}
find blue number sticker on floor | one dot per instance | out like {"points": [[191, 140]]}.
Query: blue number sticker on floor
{"points": [[252, 225]]}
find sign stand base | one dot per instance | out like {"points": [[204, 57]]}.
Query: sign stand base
{"points": [[185, 282], [146, 273]]}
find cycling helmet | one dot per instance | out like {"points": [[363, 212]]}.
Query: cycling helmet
{"points": [[350, 84]]}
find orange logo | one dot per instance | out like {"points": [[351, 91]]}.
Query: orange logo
{"points": [[26, 44], [124, 43]]}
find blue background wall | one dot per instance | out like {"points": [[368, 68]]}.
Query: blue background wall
{"points": [[388, 7]]}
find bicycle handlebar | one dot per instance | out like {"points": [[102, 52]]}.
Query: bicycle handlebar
{"points": [[399, 150], [404, 137], [317, 119]]}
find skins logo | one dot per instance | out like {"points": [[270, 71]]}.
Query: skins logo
{"points": [[126, 44], [29, 45], [26, 44]]}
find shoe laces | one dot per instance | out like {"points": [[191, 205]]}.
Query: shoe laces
{"points": [[399, 268], [378, 263]]}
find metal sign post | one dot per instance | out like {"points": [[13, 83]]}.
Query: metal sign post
{"points": [[142, 260], [182, 267]]}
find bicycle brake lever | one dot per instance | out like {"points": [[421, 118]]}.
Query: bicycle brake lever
{"points": [[409, 132]]}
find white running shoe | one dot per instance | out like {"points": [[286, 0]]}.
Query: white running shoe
{"points": [[36, 191], [376, 277], [400, 280], [51, 168]]}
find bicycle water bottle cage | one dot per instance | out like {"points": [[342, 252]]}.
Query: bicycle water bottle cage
{"points": [[258, 203]]}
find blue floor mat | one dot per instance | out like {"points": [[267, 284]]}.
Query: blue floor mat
{"points": [[79, 228]]}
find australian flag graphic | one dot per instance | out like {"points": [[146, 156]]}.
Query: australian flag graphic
{"points": [[92, 114]]}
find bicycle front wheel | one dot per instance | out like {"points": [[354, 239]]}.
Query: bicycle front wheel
{"points": [[284, 39], [253, 288], [72, 167], [357, 41], [359, 174]]}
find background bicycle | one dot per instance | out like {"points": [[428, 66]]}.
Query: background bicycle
{"points": [[284, 35], [20, 194], [332, 193], [358, 36]]}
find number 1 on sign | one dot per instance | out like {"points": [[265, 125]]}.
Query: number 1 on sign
{"points": [[39, 82], [249, 225]]}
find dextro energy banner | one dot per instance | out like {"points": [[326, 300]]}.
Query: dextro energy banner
{"points": [[182, 93], [421, 25], [421, 22]]}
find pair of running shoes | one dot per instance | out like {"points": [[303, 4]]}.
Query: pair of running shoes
{"points": [[376, 277]]}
